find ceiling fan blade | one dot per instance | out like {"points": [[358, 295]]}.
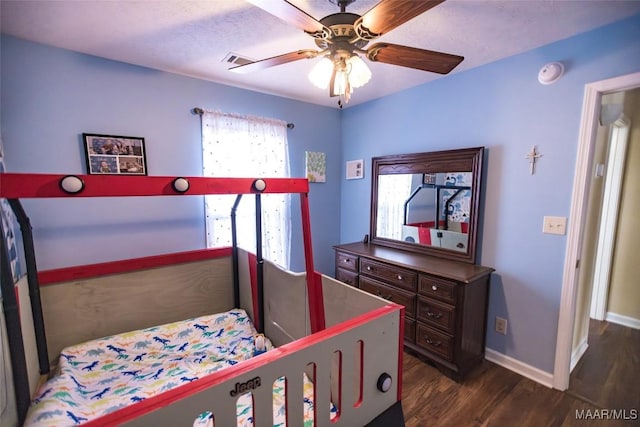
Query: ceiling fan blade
{"points": [[411, 57], [293, 15], [388, 14], [275, 60]]}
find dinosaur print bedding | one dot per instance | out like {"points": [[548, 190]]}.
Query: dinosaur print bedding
{"points": [[104, 375]]}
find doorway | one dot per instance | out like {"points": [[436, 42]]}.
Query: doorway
{"points": [[570, 298], [606, 341]]}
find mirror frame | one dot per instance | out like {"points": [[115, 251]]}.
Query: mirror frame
{"points": [[462, 160]]}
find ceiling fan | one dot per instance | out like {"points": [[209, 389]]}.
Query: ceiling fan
{"points": [[342, 37]]}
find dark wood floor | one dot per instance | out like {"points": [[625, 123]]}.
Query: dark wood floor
{"points": [[489, 396], [608, 375]]}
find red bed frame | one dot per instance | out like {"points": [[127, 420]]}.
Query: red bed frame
{"points": [[16, 186]]}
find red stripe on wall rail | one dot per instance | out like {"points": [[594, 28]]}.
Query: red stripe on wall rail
{"points": [[114, 267], [24, 185]]}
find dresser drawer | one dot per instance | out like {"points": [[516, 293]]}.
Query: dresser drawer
{"points": [[346, 261], [438, 288], [400, 277], [409, 330], [437, 314], [434, 341], [391, 294], [346, 276]]}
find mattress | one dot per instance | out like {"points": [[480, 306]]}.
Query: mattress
{"points": [[101, 376]]}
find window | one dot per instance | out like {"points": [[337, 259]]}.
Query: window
{"points": [[244, 146]]}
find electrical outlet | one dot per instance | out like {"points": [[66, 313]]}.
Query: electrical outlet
{"points": [[554, 224], [501, 325]]}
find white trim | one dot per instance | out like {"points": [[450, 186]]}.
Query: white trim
{"points": [[531, 372], [592, 97], [623, 320], [577, 354], [609, 217]]}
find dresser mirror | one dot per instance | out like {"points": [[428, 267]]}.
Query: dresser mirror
{"points": [[428, 202]]}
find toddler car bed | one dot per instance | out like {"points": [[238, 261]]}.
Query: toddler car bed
{"points": [[328, 336]]}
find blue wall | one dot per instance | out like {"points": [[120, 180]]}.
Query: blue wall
{"points": [[502, 107], [50, 96]]}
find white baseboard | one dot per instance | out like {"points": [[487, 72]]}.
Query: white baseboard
{"points": [[622, 320], [578, 352], [528, 371]]}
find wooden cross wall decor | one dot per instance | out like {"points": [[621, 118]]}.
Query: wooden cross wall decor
{"points": [[533, 155]]}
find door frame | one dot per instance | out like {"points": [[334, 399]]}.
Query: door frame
{"points": [[618, 139], [581, 182]]}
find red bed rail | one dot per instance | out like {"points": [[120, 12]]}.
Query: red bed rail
{"points": [[26, 185]]}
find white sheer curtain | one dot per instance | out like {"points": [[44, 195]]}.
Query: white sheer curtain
{"points": [[393, 191], [251, 147]]}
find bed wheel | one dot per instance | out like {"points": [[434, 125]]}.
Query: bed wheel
{"points": [[384, 382]]}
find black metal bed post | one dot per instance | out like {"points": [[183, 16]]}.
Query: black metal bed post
{"points": [[406, 204], [34, 284], [446, 207], [260, 265], [234, 254], [14, 332]]}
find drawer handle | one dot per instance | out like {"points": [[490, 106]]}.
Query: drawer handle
{"points": [[431, 342], [387, 297], [399, 277], [434, 288], [434, 315], [347, 261]]}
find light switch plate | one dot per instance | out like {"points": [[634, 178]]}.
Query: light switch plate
{"points": [[554, 225]]}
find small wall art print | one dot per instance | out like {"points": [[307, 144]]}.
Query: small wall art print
{"points": [[114, 155], [316, 166]]}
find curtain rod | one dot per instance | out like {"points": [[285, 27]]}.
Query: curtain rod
{"points": [[199, 111]]}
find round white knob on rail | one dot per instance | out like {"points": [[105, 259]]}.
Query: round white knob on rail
{"points": [[71, 184], [434, 287], [181, 185], [259, 185]]}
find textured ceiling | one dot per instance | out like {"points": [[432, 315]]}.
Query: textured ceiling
{"points": [[193, 37]]}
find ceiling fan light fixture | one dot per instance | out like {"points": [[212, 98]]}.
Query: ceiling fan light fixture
{"points": [[321, 73], [341, 76], [341, 84], [359, 73]]}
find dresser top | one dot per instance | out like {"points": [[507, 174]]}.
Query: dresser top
{"points": [[455, 270]]}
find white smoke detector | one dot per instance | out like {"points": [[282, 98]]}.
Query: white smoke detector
{"points": [[551, 73]]}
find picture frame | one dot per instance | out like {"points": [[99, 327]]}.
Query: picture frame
{"points": [[114, 154], [429, 178], [316, 166]]}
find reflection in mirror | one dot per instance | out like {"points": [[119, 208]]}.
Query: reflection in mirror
{"points": [[429, 209], [428, 202]]}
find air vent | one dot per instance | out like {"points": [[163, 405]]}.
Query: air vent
{"points": [[235, 59]]}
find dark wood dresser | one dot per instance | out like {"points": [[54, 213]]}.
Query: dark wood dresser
{"points": [[445, 301]]}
